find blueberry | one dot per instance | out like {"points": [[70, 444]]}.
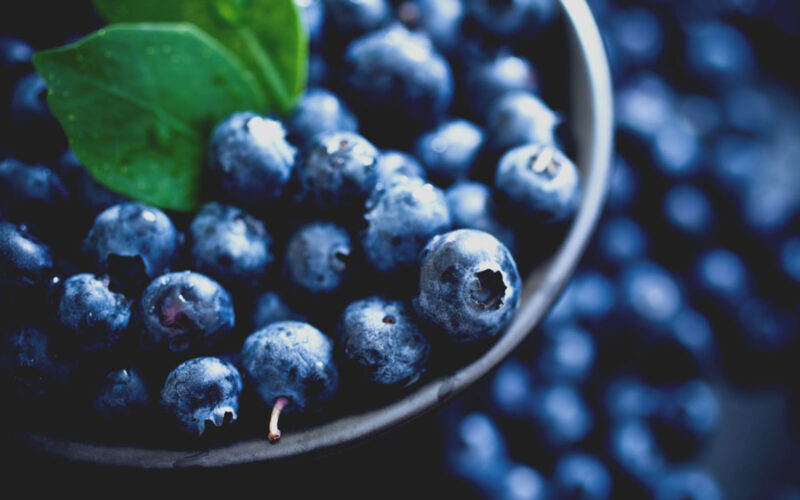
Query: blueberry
{"points": [[623, 189], [439, 19], [718, 53], [637, 35], [733, 160], [318, 258], [269, 308], [312, 14], [15, 61], [290, 365], [523, 483], [382, 338], [392, 164], [593, 296], [621, 240], [400, 221], [539, 181], [122, 396], [722, 276], [513, 18], [476, 451], [185, 312], [688, 210], [702, 113], [131, 242], [472, 206], [92, 316], [32, 195], [649, 295], [751, 109], [36, 132], [644, 105], [490, 80], [338, 170], [250, 160], [511, 390], [90, 194], [318, 71], [450, 151], [350, 18], [567, 354], [29, 368], [25, 262], [518, 118], [677, 149], [318, 111], [230, 245], [790, 258], [689, 414], [627, 397], [561, 416], [202, 393], [687, 484], [393, 72], [469, 285], [687, 348], [765, 328], [581, 477], [634, 449]]}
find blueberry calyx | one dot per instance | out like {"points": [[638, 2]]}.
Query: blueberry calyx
{"points": [[545, 162], [489, 289], [275, 433]]}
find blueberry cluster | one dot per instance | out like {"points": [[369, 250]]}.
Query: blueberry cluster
{"points": [[689, 295], [355, 244]]}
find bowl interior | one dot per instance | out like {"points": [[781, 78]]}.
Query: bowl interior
{"points": [[591, 122]]}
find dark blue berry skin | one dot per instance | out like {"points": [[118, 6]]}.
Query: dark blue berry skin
{"points": [[93, 317], [318, 111], [29, 370], [540, 182], [338, 171], [392, 164], [512, 19], [33, 195], [519, 118], [628, 397], [230, 246], [688, 415], [620, 241], [92, 196], [469, 286], [521, 482], [677, 149], [348, 19], [269, 308], [393, 72], [318, 258], [511, 390], [718, 53], [687, 484], [561, 417], [202, 393], [450, 151], [472, 206], [476, 451], [384, 341], [400, 222], [131, 242], [649, 295], [294, 360], [439, 19], [36, 133], [637, 36], [250, 159], [488, 81], [566, 354], [122, 396], [634, 449], [25, 262], [581, 477], [722, 277], [183, 313], [688, 210], [644, 105]]}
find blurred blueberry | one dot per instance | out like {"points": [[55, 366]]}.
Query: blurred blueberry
{"points": [[687, 484], [723, 276], [312, 14], [637, 35], [36, 132], [691, 333], [790, 258], [766, 328], [676, 149], [593, 296], [450, 151], [750, 109], [523, 483], [348, 19], [269, 308], [563, 311], [581, 477], [735, 158], [123, 395], [628, 396], [650, 295], [476, 451], [30, 370], [624, 185], [644, 105], [635, 451], [688, 415], [439, 19], [561, 416], [519, 118], [318, 110], [688, 210], [318, 71], [566, 354], [620, 240], [511, 391], [393, 164], [473, 207], [490, 80], [718, 53], [702, 113], [514, 18], [33, 195]]}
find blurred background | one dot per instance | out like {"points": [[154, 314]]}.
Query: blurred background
{"points": [[669, 367]]}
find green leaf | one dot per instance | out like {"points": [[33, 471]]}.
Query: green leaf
{"points": [[267, 35], [138, 103]]}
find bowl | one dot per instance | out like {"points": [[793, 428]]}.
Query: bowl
{"points": [[592, 124]]}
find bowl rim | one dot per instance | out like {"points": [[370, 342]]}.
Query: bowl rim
{"points": [[548, 281]]}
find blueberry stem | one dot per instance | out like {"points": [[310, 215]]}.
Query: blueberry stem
{"points": [[274, 432]]}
